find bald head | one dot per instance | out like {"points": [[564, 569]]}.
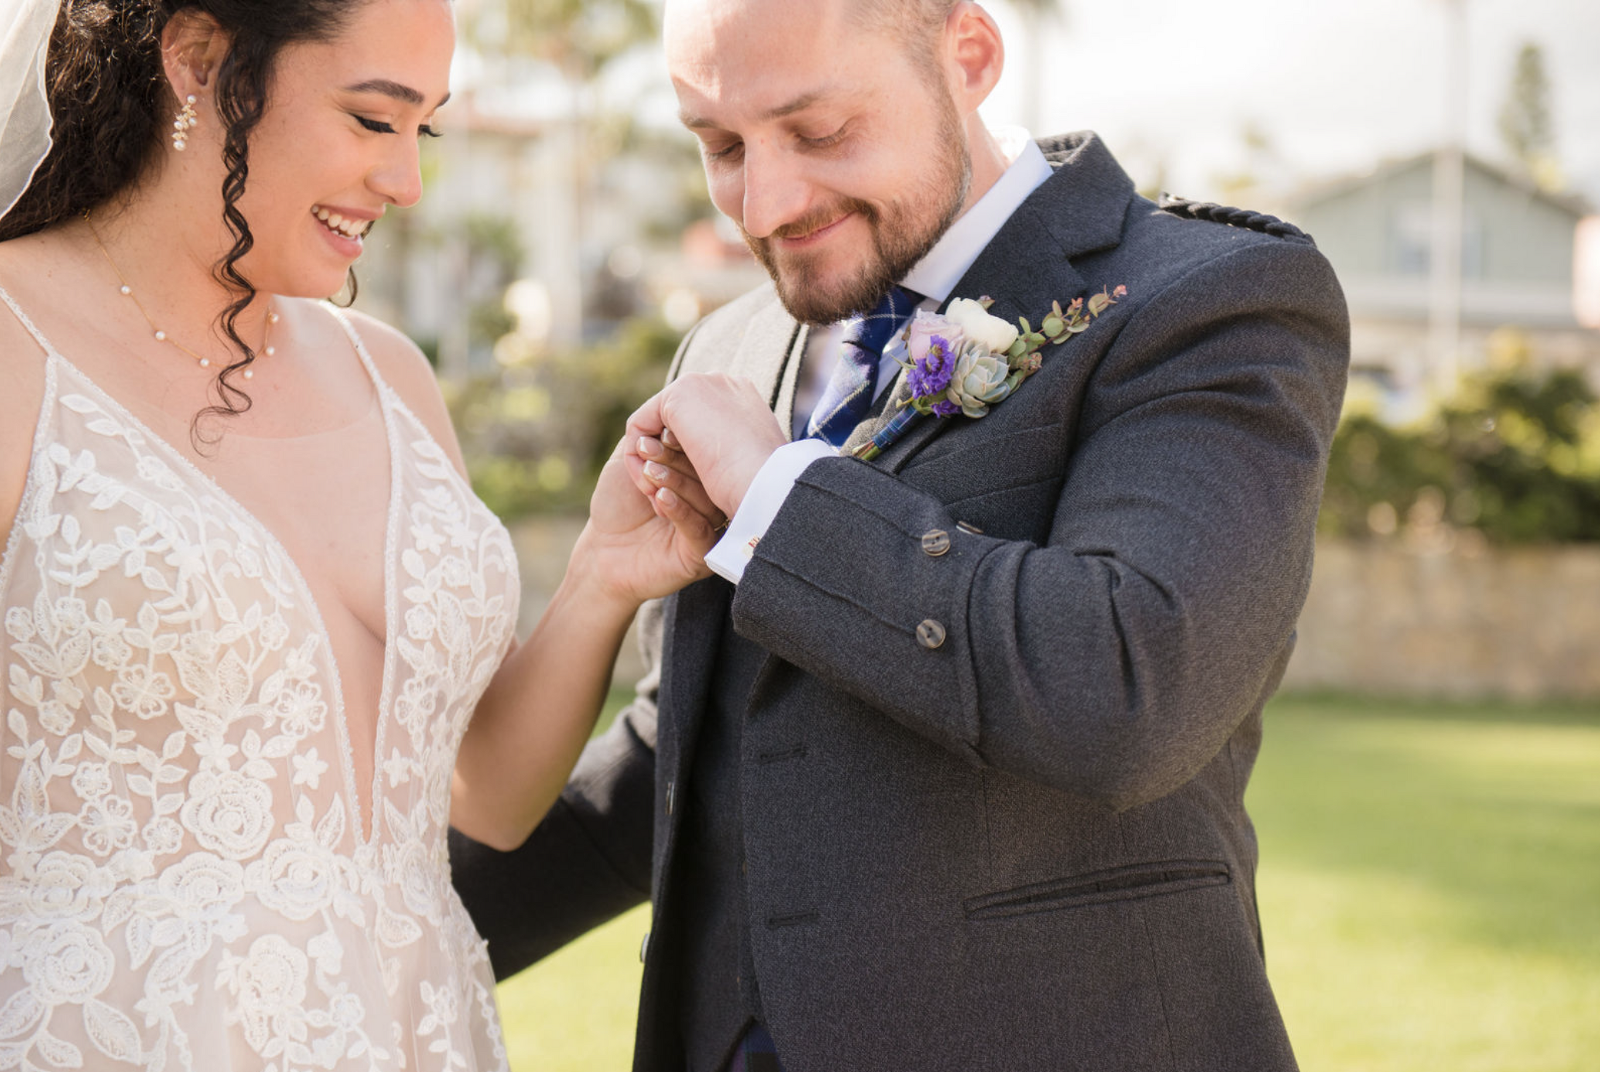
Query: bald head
{"points": [[915, 23]]}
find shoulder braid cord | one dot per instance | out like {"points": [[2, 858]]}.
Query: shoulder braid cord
{"points": [[1233, 217]]}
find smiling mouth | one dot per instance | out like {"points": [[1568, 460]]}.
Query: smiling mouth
{"points": [[339, 225], [814, 233]]}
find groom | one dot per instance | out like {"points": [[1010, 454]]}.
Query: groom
{"points": [[946, 770]]}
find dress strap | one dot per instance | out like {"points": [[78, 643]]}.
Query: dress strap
{"points": [[384, 390], [42, 430], [38, 336]]}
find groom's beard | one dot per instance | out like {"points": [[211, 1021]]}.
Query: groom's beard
{"points": [[902, 234]]}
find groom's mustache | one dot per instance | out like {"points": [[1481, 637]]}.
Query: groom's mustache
{"points": [[814, 220]]}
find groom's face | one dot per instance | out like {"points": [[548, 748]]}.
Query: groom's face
{"points": [[837, 149]]}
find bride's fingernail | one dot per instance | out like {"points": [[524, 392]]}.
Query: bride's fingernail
{"points": [[648, 447], [668, 438], [666, 497], [655, 470]]}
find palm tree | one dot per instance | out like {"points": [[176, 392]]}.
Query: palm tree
{"points": [[579, 39]]}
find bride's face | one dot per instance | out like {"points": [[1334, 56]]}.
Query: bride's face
{"points": [[338, 142]]}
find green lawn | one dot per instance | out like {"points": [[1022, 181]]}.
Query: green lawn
{"points": [[1430, 890], [1430, 885]]}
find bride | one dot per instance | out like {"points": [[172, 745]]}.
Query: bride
{"points": [[257, 639]]}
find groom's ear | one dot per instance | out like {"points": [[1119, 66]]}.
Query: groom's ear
{"points": [[973, 55]]}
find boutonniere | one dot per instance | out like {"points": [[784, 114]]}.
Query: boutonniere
{"points": [[963, 361]]}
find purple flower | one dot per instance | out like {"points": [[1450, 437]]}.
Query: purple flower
{"points": [[945, 409], [931, 373]]}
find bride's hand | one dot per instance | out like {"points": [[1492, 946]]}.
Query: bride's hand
{"points": [[642, 547]]}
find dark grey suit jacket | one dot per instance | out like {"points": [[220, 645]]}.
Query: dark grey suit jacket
{"points": [[1025, 848]]}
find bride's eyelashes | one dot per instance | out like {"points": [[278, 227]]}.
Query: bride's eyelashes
{"points": [[379, 127]]}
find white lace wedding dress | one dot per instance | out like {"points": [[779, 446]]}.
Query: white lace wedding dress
{"points": [[186, 881]]}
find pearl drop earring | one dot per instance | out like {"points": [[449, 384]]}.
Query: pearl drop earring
{"points": [[186, 121]]}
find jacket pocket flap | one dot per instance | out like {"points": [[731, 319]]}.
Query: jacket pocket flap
{"points": [[1117, 884]]}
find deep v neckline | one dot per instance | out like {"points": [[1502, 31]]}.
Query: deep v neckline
{"points": [[366, 824]]}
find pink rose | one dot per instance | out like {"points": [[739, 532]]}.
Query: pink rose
{"points": [[924, 326]]}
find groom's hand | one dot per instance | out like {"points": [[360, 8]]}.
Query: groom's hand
{"points": [[721, 423]]}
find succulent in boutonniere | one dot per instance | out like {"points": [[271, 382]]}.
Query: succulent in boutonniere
{"points": [[966, 360]]}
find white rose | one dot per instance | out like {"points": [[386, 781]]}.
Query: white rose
{"points": [[68, 964], [978, 326], [202, 884], [410, 869], [298, 881], [65, 886], [270, 984], [229, 813]]}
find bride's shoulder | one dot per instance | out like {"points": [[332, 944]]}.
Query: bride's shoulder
{"points": [[22, 360], [406, 370], [22, 379]]}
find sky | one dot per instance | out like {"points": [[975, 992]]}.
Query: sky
{"points": [[1336, 85]]}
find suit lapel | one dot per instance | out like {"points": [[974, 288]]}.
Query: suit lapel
{"points": [[1079, 210]]}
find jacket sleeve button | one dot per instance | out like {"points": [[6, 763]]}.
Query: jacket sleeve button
{"points": [[968, 527], [930, 634], [644, 947], [672, 795], [935, 543]]}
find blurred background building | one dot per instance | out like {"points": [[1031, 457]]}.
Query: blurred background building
{"points": [[1518, 262]]}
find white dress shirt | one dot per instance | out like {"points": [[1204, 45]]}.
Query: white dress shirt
{"points": [[934, 277]]}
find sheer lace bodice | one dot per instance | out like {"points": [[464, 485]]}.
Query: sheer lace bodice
{"points": [[186, 877]]}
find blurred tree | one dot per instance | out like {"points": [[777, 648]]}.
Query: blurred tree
{"points": [[1516, 456], [1525, 124], [536, 437], [580, 37], [493, 257]]}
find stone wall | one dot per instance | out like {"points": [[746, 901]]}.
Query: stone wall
{"points": [[1382, 618], [1466, 622]]}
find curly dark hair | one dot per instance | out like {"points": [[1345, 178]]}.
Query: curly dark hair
{"points": [[112, 109]]}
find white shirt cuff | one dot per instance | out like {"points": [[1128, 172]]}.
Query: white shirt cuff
{"points": [[766, 496]]}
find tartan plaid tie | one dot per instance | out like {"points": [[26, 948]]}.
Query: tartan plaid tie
{"points": [[849, 394], [756, 1052]]}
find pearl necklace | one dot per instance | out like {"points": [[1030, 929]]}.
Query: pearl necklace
{"points": [[162, 336]]}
